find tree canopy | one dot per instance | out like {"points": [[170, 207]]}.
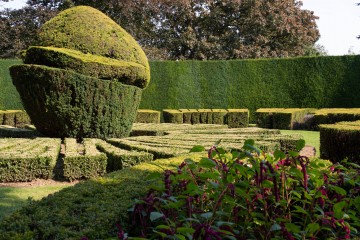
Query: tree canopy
{"points": [[183, 29]]}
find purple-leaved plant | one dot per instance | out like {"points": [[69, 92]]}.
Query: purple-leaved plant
{"points": [[250, 194]]}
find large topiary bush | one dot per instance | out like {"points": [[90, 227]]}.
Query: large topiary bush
{"points": [[84, 77]]}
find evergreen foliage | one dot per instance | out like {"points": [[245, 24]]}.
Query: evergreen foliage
{"points": [[63, 84], [307, 82], [340, 141], [63, 103]]}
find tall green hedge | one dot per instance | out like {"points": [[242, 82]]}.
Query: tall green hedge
{"points": [[9, 97], [307, 82]]}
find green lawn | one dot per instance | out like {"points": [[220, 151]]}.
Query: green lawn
{"points": [[311, 138], [12, 198]]}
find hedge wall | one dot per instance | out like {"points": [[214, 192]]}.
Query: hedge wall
{"points": [[9, 97], [315, 82]]}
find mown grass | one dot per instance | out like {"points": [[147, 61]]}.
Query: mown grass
{"points": [[12, 198]]}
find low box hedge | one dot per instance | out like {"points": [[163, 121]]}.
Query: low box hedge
{"points": [[205, 115], [21, 119], [12, 132], [173, 116], [9, 117], [118, 159], [218, 116], [83, 160], [281, 118], [237, 118], [334, 115], [147, 116], [195, 116], [187, 113], [340, 141], [91, 208], [23, 160]]}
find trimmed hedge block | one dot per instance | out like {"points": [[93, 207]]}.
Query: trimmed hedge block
{"points": [[12, 132], [218, 116], [339, 141], [173, 116], [23, 160], [147, 116], [205, 115], [14, 118], [22, 119], [237, 118], [334, 115], [186, 115], [9, 117], [83, 160], [281, 118], [195, 116], [118, 159]]}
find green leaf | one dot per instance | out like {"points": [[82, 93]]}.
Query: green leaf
{"points": [[163, 235], [279, 154], [300, 144], [338, 207], [162, 227], [301, 210], [197, 149], [220, 150], [293, 154], [292, 228], [267, 184], [155, 215], [312, 228], [207, 163], [250, 142], [339, 190], [275, 227], [184, 230], [180, 237]]}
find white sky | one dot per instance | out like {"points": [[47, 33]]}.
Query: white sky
{"points": [[338, 24]]}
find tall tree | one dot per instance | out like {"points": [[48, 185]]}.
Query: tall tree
{"points": [[208, 29]]}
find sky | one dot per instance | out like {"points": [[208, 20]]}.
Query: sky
{"points": [[338, 23]]}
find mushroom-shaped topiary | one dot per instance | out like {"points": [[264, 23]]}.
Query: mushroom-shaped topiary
{"points": [[83, 78]]}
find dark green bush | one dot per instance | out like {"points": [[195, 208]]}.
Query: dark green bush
{"points": [[340, 141], [63, 103], [9, 97], [308, 82]]}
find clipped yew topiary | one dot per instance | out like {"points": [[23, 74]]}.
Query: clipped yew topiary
{"points": [[84, 77]]}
